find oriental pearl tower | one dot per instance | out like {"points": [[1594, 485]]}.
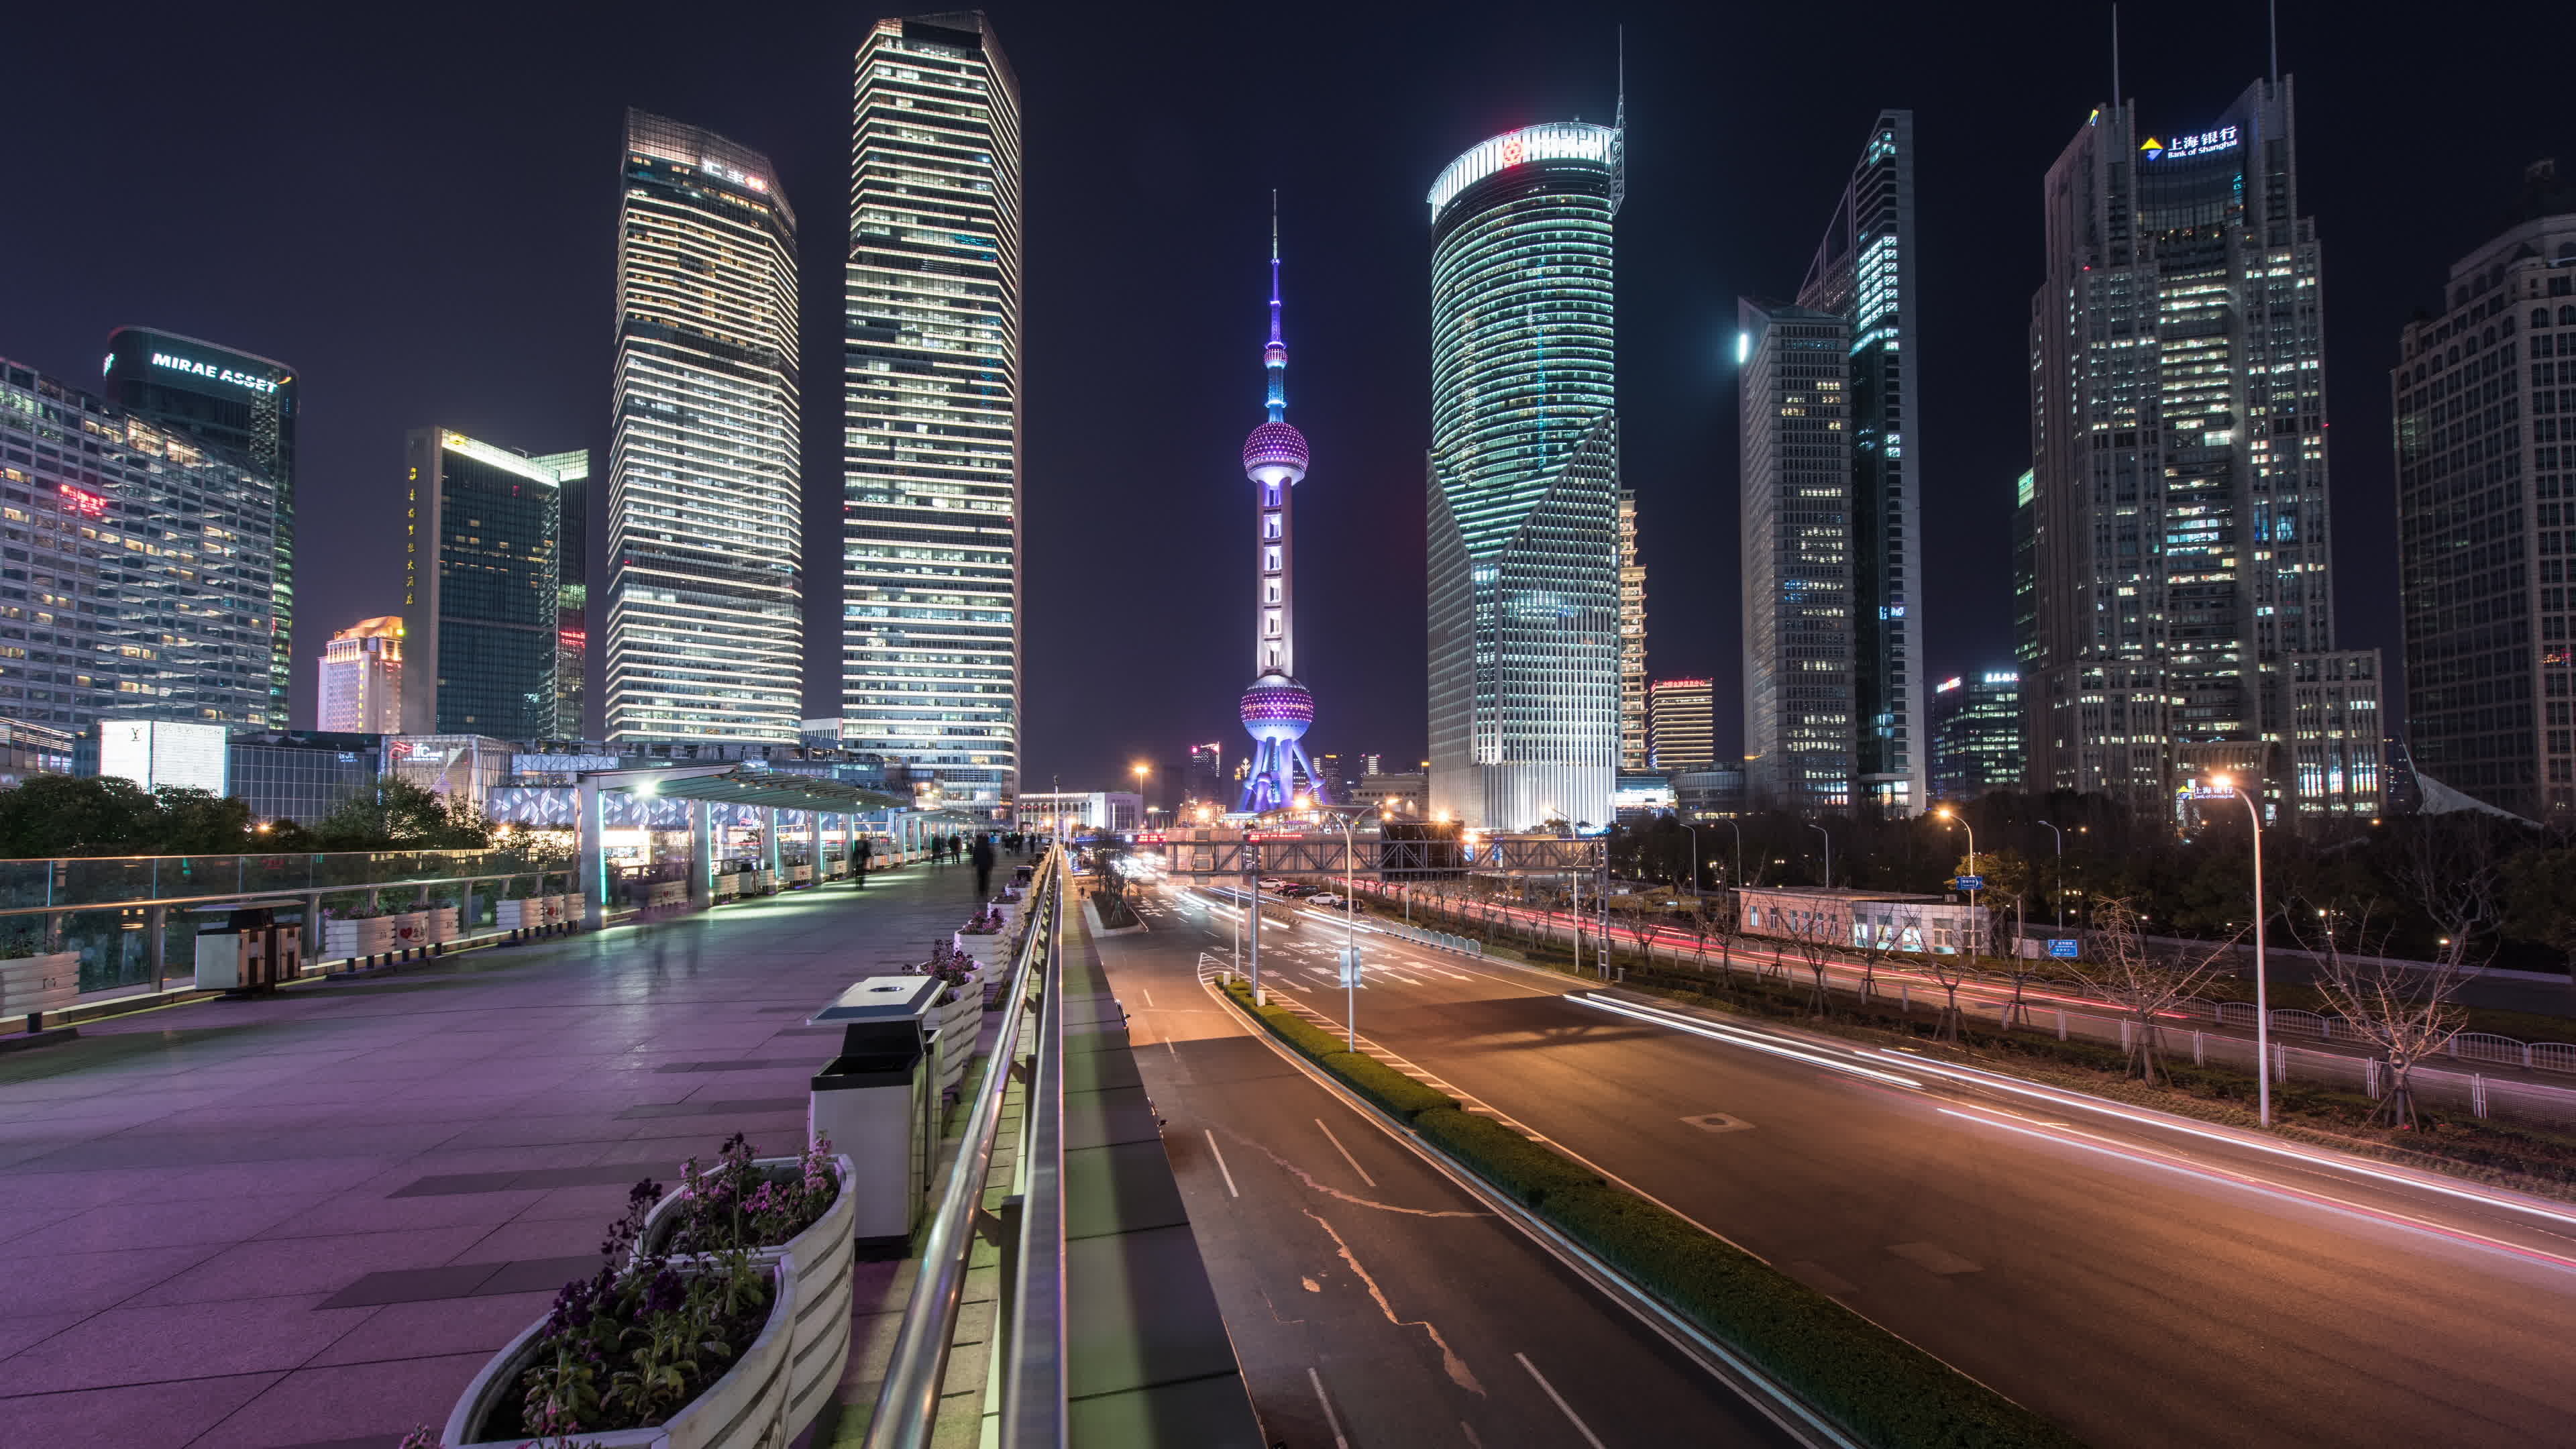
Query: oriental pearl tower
{"points": [[1276, 708]]}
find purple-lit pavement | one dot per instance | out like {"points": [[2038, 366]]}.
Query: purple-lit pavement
{"points": [[307, 1220]]}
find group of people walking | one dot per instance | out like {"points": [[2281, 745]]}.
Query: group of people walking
{"points": [[981, 850]]}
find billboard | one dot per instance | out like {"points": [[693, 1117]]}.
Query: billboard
{"points": [[154, 753]]}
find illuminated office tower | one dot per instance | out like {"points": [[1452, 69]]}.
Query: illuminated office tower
{"points": [[1865, 272], [1635, 749], [2178, 559], [482, 587], [2485, 388], [572, 599], [705, 620], [1685, 725], [241, 409], [113, 608], [1795, 499], [1976, 735], [362, 679], [1523, 480], [930, 444]]}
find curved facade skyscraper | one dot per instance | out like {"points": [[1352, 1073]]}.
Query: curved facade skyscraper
{"points": [[705, 525], [1524, 480]]}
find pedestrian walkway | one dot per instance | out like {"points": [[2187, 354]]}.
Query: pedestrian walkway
{"points": [[308, 1219]]}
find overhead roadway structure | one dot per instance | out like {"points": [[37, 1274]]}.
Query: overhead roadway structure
{"points": [[767, 791], [1233, 857]]}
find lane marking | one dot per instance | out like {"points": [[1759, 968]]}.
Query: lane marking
{"points": [[1346, 1154], [1713, 1032], [1330, 1417], [1220, 1164], [1149, 994], [1562, 1406]]}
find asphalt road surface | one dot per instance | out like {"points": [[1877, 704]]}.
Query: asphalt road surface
{"points": [[1373, 1303], [2142, 1281]]}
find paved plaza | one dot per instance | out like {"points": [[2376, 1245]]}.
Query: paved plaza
{"points": [[308, 1219]]}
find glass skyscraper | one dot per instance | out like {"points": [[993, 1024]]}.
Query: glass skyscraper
{"points": [[1976, 735], [2179, 569], [1795, 501], [1523, 480], [140, 581], [1864, 271], [240, 408], [2485, 392], [705, 531], [572, 608], [930, 589], [482, 584]]}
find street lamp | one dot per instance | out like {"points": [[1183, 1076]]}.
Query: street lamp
{"points": [[1829, 852], [2220, 784], [1739, 849], [1946, 813], [2058, 877], [1350, 942], [1693, 832]]}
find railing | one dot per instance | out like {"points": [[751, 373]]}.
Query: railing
{"points": [[78, 882], [907, 1408]]}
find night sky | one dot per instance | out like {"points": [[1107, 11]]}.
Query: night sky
{"points": [[419, 215]]}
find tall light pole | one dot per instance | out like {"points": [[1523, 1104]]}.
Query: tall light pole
{"points": [[1739, 849], [1141, 770], [2262, 1002], [1829, 852], [1953, 816], [2058, 879], [1350, 943], [1693, 831]]}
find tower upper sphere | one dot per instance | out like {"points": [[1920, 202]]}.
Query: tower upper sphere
{"points": [[1275, 453]]}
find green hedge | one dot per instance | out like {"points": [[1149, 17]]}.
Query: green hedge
{"points": [[1880, 1388]]}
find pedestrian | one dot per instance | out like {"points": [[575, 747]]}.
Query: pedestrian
{"points": [[859, 853], [983, 858]]}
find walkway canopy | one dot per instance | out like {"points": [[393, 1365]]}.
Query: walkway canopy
{"points": [[706, 785]]}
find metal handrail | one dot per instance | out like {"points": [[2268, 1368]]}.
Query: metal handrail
{"points": [[1033, 1386], [907, 1408]]}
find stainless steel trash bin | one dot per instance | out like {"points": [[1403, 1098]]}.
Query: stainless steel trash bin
{"points": [[878, 1101]]}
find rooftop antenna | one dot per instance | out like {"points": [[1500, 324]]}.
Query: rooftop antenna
{"points": [[2115, 58], [1619, 131], [2272, 12]]}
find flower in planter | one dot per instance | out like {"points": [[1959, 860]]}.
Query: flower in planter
{"points": [[739, 1205]]}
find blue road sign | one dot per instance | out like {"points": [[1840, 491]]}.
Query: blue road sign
{"points": [[1969, 883], [2062, 950]]}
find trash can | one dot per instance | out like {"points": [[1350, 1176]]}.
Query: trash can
{"points": [[878, 1101], [250, 951]]}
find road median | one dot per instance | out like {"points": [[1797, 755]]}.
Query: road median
{"points": [[1878, 1388]]}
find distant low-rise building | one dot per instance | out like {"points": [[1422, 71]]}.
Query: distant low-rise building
{"points": [[1937, 924], [301, 775], [1709, 794], [1060, 811]]}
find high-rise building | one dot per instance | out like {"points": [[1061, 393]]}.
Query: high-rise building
{"points": [[240, 408], [2485, 555], [1685, 725], [1276, 707], [1523, 479], [1864, 271], [1205, 782], [481, 588], [930, 647], [2178, 561], [107, 606], [1976, 735], [572, 607], [1634, 749], [705, 526], [1795, 481], [362, 679]]}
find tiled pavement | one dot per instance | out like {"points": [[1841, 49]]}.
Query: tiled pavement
{"points": [[307, 1220]]}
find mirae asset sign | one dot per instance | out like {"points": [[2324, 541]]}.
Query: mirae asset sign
{"points": [[251, 380]]}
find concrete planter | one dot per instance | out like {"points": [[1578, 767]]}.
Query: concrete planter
{"points": [[365, 936], [517, 915], [410, 928], [797, 875], [745, 1409], [39, 983], [824, 1256], [955, 1026], [440, 924], [728, 885]]}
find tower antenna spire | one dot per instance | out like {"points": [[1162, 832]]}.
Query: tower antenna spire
{"points": [[2272, 13], [2115, 57]]}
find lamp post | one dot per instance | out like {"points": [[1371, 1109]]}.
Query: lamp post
{"points": [[1829, 852], [2058, 877], [1693, 832], [1953, 816], [2262, 1002], [1739, 849], [1350, 944]]}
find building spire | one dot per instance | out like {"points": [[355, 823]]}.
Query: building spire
{"points": [[2272, 16], [2115, 58], [1274, 358]]}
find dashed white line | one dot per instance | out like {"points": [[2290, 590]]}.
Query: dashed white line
{"points": [[1220, 1164], [1330, 1417], [1346, 1153], [1562, 1406]]}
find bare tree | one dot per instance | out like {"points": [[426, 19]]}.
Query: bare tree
{"points": [[2142, 981], [2405, 1011], [1812, 934], [2453, 867]]}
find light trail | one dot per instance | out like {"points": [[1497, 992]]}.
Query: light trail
{"points": [[1713, 1032]]}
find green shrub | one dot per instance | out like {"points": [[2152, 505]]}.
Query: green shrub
{"points": [[1526, 1170], [1384, 1085]]}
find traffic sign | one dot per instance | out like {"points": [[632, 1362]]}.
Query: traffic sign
{"points": [[1351, 968], [1969, 883], [2062, 950]]}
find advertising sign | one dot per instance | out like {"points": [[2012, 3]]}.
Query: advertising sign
{"points": [[154, 753]]}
